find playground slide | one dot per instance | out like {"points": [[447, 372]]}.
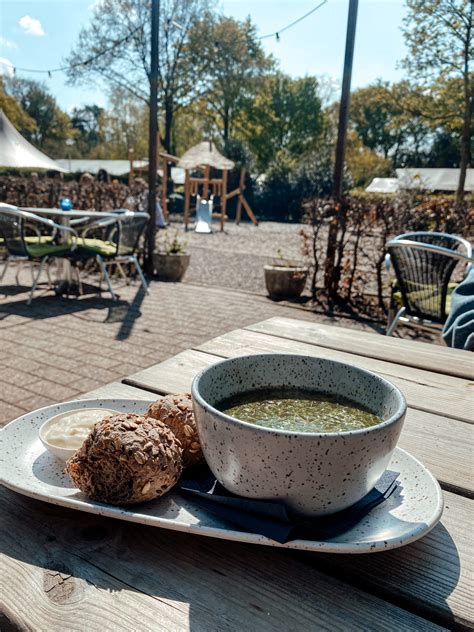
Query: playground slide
{"points": [[203, 216]]}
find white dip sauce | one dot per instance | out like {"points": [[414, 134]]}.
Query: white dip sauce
{"points": [[69, 430]]}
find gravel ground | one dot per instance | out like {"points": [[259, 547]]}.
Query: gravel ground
{"points": [[235, 258]]}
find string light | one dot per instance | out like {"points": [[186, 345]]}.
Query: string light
{"points": [[83, 64], [277, 34]]}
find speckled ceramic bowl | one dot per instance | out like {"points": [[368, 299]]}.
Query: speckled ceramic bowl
{"points": [[313, 473]]}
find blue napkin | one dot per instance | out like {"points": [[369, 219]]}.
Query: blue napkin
{"points": [[272, 519], [458, 331]]}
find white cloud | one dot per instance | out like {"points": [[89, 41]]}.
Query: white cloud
{"points": [[7, 43], [6, 67], [30, 25]]}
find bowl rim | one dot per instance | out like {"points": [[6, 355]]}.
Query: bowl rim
{"points": [[393, 419]]}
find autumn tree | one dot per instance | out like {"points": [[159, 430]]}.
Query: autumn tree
{"points": [[439, 35], [52, 126], [115, 49], [229, 58], [14, 112]]}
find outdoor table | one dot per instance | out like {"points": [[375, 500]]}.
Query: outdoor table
{"points": [[64, 281], [63, 569]]}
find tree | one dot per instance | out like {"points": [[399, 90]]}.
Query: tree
{"points": [[52, 126], [89, 121], [115, 49], [228, 58], [439, 35], [391, 120], [14, 112], [285, 113]]}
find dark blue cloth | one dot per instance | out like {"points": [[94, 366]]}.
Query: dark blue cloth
{"points": [[272, 519], [458, 330]]}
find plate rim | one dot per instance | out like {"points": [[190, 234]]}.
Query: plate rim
{"points": [[223, 533]]}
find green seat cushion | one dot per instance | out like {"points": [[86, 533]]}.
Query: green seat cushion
{"points": [[45, 248], [423, 296], [98, 246]]}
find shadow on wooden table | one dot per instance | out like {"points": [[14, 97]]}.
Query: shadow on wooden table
{"points": [[66, 567]]}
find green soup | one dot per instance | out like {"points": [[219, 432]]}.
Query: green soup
{"points": [[298, 410]]}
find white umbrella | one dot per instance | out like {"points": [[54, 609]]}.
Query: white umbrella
{"points": [[17, 152]]}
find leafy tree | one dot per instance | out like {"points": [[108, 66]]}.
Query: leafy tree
{"points": [[228, 58], [390, 120], [115, 49], [89, 121], [439, 35], [14, 112], [53, 126], [284, 114]]}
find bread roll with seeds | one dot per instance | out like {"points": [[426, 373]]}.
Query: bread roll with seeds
{"points": [[176, 411], [127, 459]]}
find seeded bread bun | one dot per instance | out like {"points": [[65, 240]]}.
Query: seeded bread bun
{"points": [[176, 411], [126, 459]]}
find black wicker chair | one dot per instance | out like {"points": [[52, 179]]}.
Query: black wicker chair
{"points": [[424, 263]]}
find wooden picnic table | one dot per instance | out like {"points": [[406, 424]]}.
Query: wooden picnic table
{"points": [[66, 570]]}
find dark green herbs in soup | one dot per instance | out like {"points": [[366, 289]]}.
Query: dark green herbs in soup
{"points": [[298, 411]]}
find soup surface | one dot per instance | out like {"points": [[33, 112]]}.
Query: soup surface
{"points": [[298, 410]]}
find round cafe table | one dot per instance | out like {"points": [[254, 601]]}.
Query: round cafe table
{"points": [[64, 283]]}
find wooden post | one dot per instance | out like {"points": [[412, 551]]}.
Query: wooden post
{"points": [[331, 280], [130, 173], [153, 132], [187, 194], [164, 188], [205, 187], [225, 175], [238, 213]]}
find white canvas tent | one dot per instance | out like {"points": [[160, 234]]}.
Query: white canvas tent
{"points": [[383, 185], [434, 179], [423, 179], [16, 152]]}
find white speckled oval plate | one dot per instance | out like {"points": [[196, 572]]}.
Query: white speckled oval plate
{"points": [[27, 468]]}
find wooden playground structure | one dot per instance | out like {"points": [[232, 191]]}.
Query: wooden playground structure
{"points": [[202, 157]]}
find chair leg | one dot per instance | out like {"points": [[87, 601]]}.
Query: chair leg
{"points": [[391, 325], [30, 298], [5, 268], [122, 272], [140, 274], [103, 269]]}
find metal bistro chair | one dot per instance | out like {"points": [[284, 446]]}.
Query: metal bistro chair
{"points": [[14, 225], [424, 263], [116, 244]]}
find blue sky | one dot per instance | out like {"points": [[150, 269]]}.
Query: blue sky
{"points": [[40, 33]]}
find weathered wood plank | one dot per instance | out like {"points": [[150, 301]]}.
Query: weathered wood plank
{"points": [[407, 352], [84, 572], [118, 390], [441, 394], [444, 445], [172, 376], [432, 577]]}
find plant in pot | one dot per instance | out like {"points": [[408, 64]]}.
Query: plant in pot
{"points": [[285, 278], [171, 260]]}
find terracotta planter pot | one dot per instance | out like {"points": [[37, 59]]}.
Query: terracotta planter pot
{"points": [[171, 267], [285, 282]]}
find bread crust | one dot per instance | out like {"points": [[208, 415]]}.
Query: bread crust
{"points": [[176, 411], [127, 459]]}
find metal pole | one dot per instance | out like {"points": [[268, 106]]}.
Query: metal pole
{"points": [[153, 134], [345, 98]]}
